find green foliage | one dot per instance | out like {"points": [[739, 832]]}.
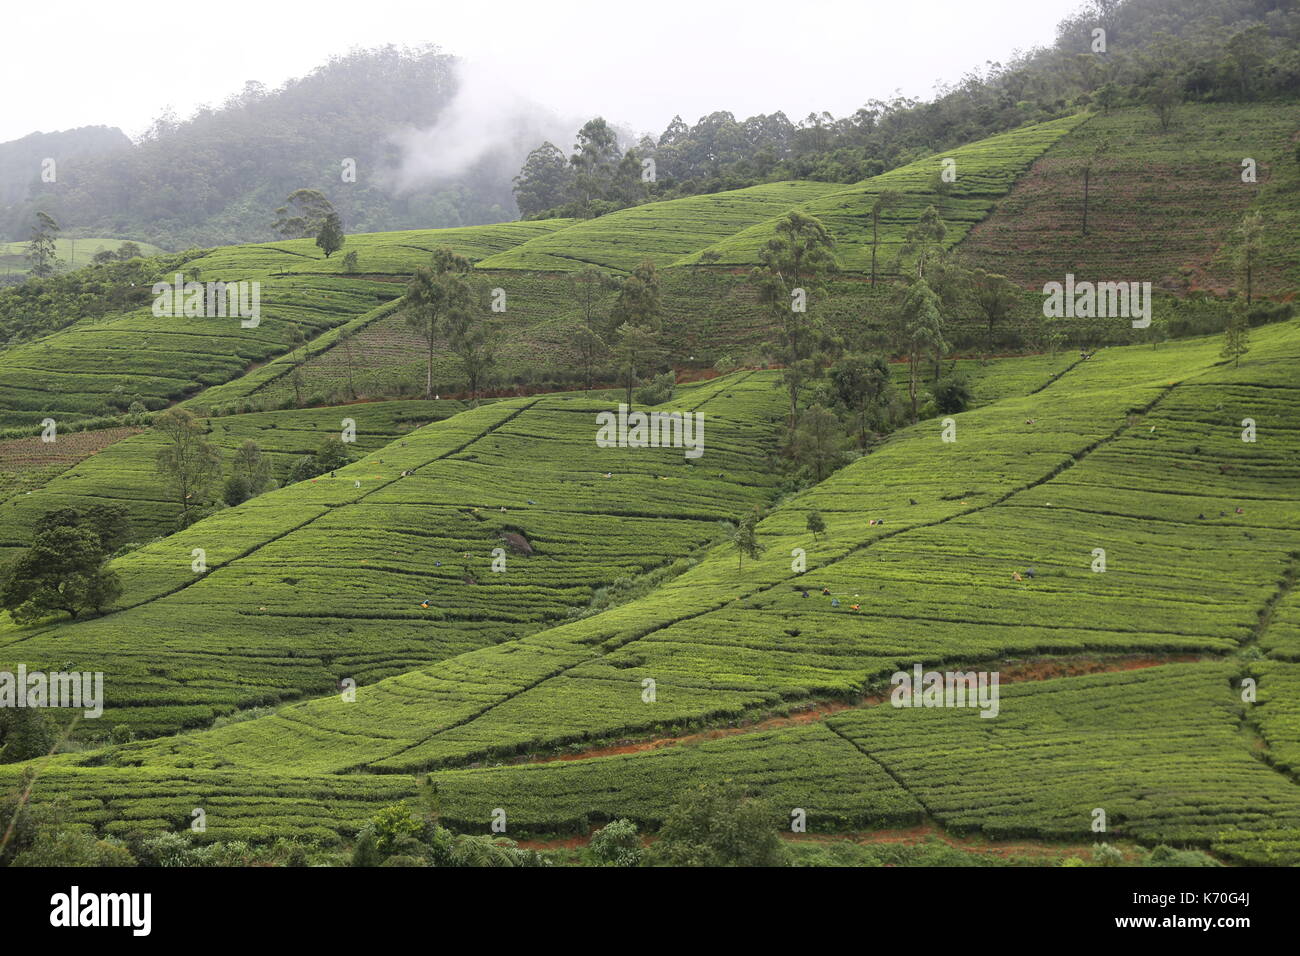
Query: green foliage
{"points": [[1236, 336], [636, 321], [1103, 854], [63, 570], [39, 306], [745, 538], [658, 390], [304, 215], [544, 182], [616, 844], [366, 851], [391, 825], [329, 237], [861, 384], [25, 733], [437, 299], [952, 394], [816, 444], [920, 333], [42, 261], [58, 847], [250, 473], [994, 295], [1167, 856], [718, 825], [792, 269], [189, 465], [330, 456], [594, 161]]}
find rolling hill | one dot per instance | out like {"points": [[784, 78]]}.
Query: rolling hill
{"points": [[1136, 451], [567, 631]]}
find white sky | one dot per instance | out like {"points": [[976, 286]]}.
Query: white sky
{"points": [[635, 62]]}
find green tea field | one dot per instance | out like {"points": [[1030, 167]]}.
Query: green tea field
{"points": [[518, 459]]}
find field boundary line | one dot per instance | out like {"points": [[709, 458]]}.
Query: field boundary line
{"points": [[1071, 459], [327, 509]]}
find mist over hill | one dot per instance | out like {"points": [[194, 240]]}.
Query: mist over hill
{"points": [[415, 138], [394, 137]]}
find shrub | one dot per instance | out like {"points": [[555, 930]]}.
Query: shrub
{"points": [[166, 849], [57, 847], [391, 825], [951, 394], [1103, 854], [658, 390], [617, 844], [331, 455], [366, 851], [717, 825], [122, 734], [25, 733], [237, 490], [1167, 856]]}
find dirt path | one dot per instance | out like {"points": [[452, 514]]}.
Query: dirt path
{"points": [[1018, 671]]}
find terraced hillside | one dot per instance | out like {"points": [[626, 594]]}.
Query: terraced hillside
{"points": [[1014, 206], [1183, 185], [664, 232], [29, 463], [123, 471], [97, 367], [1136, 451], [387, 564], [72, 253], [984, 172], [82, 469]]}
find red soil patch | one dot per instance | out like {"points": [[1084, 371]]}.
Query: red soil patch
{"points": [[24, 454], [1012, 672]]}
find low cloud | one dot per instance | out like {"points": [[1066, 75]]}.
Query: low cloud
{"points": [[487, 121]]}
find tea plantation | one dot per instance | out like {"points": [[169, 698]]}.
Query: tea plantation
{"points": [[975, 554], [124, 472], [387, 563], [488, 610], [1184, 184], [99, 366]]}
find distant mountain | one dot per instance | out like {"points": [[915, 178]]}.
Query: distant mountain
{"points": [[218, 176], [21, 159]]}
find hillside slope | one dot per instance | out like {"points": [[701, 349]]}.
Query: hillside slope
{"points": [[124, 471], [387, 564], [983, 172], [97, 367], [663, 232], [1137, 451], [1162, 205]]}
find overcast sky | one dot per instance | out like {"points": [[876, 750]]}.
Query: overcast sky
{"points": [[636, 62]]}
